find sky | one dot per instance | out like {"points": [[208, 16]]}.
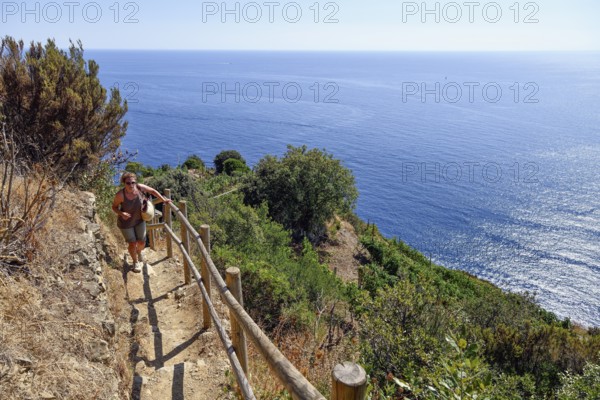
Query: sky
{"points": [[342, 25]]}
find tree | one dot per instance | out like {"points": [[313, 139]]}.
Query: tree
{"points": [[303, 190], [194, 162], [53, 104], [224, 156], [234, 166]]}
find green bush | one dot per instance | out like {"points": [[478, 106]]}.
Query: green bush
{"points": [[194, 162], [183, 186], [271, 291], [249, 239], [372, 277], [518, 337], [462, 374], [101, 183], [234, 166], [225, 155], [401, 331], [581, 387], [54, 105], [303, 190], [141, 170]]}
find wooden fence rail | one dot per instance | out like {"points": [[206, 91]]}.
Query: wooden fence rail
{"points": [[349, 380], [238, 371]]}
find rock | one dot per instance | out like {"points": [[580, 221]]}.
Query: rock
{"points": [[94, 229], [109, 327], [140, 366], [88, 204], [179, 294], [83, 257], [201, 363], [75, 260], [47, 396], [92, 287], [99, 351]]}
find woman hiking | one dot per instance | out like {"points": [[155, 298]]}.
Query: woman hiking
{"points": [[128, 206]]}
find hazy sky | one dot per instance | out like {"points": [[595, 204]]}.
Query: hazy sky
{"points": [[309, 25]]}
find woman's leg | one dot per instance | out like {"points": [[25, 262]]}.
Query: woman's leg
{"points": [[140, 247], [133, 252], [129, 235], [140, 234]]}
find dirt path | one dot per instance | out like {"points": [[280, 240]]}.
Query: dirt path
{"points": [[174, 358]]}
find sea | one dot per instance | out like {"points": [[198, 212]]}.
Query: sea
{"points": [[487, 162]]}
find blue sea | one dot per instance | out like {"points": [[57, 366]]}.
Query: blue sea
{"points": [[486, 162]]}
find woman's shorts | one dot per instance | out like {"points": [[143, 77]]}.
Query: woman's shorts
{"points": [[135, 234]]}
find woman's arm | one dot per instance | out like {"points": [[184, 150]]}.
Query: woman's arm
{"points": [[153, 192], [116, 203]]}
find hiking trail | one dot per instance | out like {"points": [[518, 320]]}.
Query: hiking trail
{"points": [[174, 357]]}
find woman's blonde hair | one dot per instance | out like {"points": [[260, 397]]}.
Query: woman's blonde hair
{"points": [[126, 176]]}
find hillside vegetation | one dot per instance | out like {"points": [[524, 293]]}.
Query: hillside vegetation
{"points": [[422, 331]]}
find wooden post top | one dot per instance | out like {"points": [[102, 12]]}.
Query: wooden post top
{"points": [[350, 374]]}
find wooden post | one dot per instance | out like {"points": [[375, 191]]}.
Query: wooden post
{"points": [[185, 239], [167, 217], [349, 382], [150, 234], [205, 236], [238, 337]]}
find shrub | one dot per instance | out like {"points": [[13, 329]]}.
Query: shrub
{"points": [[271, 291], [102, 185], [194, 162], [182, 185], [141, 170], [584, 387], [303, 190], [56, 108], [234, 166], [401, 331], [27, 196], [225, 155]]}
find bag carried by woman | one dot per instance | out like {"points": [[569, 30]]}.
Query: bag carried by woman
{"points": [[147, 208]]}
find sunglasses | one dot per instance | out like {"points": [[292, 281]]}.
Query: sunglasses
{"points": [[130, 183]]}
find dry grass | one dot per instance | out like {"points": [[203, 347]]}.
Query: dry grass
{"points": [[27, 196], [48, 322], [313, 353]]}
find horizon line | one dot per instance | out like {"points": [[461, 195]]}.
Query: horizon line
{"points": [[356, 50]]}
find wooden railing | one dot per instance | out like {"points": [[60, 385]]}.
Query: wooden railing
{"points": [[349, 380]]}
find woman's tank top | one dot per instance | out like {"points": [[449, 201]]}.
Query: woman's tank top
{"points": [[133, 208]]}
